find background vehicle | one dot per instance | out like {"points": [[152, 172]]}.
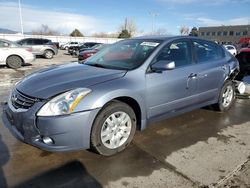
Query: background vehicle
{"points": [[13, 55], [100, 103], [69, 44], [74, 50], [40, 46], [244, 59], [231, 49], [84, 54]]}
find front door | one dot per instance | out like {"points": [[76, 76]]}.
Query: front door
{"points": [[172, 90]]}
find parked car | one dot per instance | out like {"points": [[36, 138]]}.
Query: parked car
{"points": [[244, 59], [69, 44], [100, 104], [88, 53], [14, 55], [40, 46], [231, 49], [74, 50]]}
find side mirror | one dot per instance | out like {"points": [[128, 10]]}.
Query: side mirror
{"points": [[163, 65], [5, 44]]}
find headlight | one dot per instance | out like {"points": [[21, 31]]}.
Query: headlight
{"points": [[64, 103]]}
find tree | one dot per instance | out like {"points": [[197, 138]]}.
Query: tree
{"points": [[124, 34], [76, 33], [194, 32], [45, 30], [184, 30], [129, 25], [161, 31], [105, 35]]}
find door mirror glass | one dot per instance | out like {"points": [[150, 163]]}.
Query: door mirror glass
{"points": [[163, 65]]}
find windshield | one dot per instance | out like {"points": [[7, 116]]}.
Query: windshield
{"points": [[10, 43], [126, 54]]}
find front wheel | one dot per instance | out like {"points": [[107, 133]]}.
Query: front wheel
{"points": [[113, 129], [227, 97]]}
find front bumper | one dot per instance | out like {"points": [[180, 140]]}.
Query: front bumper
{"points": [[68, 132]]}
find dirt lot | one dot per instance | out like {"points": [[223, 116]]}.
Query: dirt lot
{"points": [[202, 148]]}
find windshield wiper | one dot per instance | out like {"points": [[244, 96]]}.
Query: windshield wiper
{"points": [[97, 65]]}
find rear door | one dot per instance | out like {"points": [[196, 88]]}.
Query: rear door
{"points": [[38, 46], [172, 90], [212, 69]]}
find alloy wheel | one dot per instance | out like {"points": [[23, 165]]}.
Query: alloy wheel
{"points": [[116, 130]]}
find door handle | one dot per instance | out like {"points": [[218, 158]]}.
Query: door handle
{"points": [[191, 76]]}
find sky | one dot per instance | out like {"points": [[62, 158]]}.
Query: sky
{"points": [[94, 16]]}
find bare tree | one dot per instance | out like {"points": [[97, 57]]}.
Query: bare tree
{"points": [[45, 30], [129, 25], [161, 31], [105, 35], [184, 30]]}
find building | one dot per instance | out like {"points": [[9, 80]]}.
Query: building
{"points": [[225, 34]]}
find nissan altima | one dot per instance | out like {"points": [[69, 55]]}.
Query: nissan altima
{"points": [[100, 103]]}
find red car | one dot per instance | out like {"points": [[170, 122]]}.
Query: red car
{"points": [[244, 59], [87, 53]]}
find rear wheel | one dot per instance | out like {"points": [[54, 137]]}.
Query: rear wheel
{"points": [[48, 54], [14, 62], [113, 129], [227, 97]]}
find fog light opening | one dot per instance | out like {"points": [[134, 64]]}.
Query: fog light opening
{"points": [[47, 140]]}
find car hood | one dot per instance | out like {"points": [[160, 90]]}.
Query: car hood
{"points": [[52, 81]]}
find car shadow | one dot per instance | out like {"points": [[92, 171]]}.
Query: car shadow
{"points": [[27, 64], [3, 66], [4, 158], [72, 174]]}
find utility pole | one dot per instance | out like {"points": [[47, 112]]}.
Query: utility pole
{"points": [[153, 14], [20, 14], [126, 23]]}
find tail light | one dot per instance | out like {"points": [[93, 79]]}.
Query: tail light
{"points": [[52, 46], [29, 49]]}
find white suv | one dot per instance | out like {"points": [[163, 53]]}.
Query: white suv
{"points": [[69, 44], [13, 55]]}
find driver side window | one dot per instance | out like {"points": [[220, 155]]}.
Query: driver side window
{"points": [[177, 51]]}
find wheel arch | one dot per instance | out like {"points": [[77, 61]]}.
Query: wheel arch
{"points": [[135, 106], [49, 50], [134, 102], [15, 55]]}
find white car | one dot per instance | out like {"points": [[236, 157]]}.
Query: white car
{"points": [[231, 49], [69, 44], [13, 55]]}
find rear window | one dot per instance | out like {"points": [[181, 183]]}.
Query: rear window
{"points": [[207, 51]]}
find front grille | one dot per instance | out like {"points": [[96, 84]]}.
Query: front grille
{"points": [[20, 100]]}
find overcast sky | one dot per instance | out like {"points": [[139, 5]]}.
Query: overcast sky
{"points": [[91, 16]]}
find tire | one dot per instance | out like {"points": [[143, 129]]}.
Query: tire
{"points": [[14, 62], [48, 54], [108, 135], [227, 97]]}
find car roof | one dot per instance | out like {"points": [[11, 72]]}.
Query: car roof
{"points": [[245, 49], [168, 37], [5, 40]]}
